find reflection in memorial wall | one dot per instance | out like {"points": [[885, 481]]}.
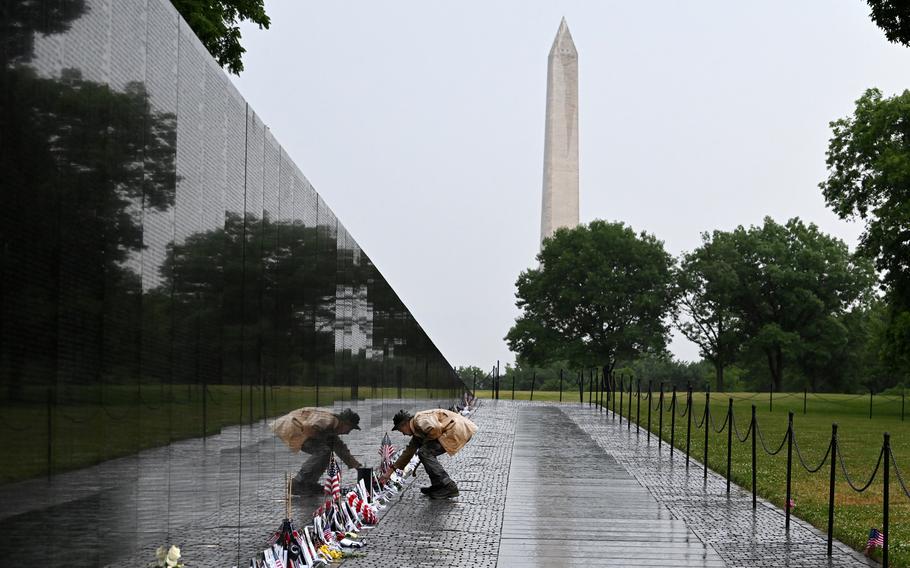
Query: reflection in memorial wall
{"points": [[167, 275]]}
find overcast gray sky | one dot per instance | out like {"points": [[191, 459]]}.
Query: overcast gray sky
{"points": [[421, 124]]}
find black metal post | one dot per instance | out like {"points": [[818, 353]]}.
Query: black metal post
{"points": [[513, 384], [474, 388], [638, 407], [789, 467], [673, 422], [649, 411], [205, 408], [590, 388], [533, 380], [50, 429], [613, 387], [581, 388], [707, 420], [629, 423], [886, 497], [597, 386], [688, 422], [660, 418], [729, 441], [607, 387], [771, 399], [560, 385], [621, 391], [752, 428], [831, 489]]}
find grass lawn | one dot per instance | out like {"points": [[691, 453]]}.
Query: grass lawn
{"points": [[859, 441]]}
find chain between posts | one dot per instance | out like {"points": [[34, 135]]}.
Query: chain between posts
{"points": [[843, 467], [802, 460], [761, 438], [884, 461], [742, 439], [897, 472], [722, 426]]}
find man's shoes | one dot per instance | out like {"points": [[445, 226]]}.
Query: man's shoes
{"points": [[430, 489], [446, 491], [305, 487]]}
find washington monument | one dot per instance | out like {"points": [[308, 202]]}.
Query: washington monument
{"points": [[560, 155]]}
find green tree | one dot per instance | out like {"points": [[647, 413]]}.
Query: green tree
{"points": [[706, 282], [467, 374], [663, 368], [892, 16], [601, 293], [792, 285], [215, 22], [868, 162]]}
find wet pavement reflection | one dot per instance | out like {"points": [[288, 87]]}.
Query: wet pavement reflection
{"points": [[569, 503]]}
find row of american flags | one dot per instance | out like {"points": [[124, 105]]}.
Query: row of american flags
{"points": [[336, 524]]}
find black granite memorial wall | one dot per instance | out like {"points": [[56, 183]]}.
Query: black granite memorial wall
{"points": [[166, 270]]}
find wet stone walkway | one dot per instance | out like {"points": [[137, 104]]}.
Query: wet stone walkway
{"points": [[547, 484], [570, 503]]}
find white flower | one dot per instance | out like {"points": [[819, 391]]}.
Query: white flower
{"points": [[173, 557], [161, 555]]}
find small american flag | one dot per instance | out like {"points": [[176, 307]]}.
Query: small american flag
{"points": [[333, 479], [876, 540], [386, 451], [327, 535]]}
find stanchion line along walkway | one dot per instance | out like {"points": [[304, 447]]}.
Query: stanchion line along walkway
{"points": [[741, 536]]}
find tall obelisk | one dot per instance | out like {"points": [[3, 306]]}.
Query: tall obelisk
{"points": [[560, 156]]}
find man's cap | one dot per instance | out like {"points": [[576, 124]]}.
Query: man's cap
{"points": [[400, 418], [349, 416]]}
